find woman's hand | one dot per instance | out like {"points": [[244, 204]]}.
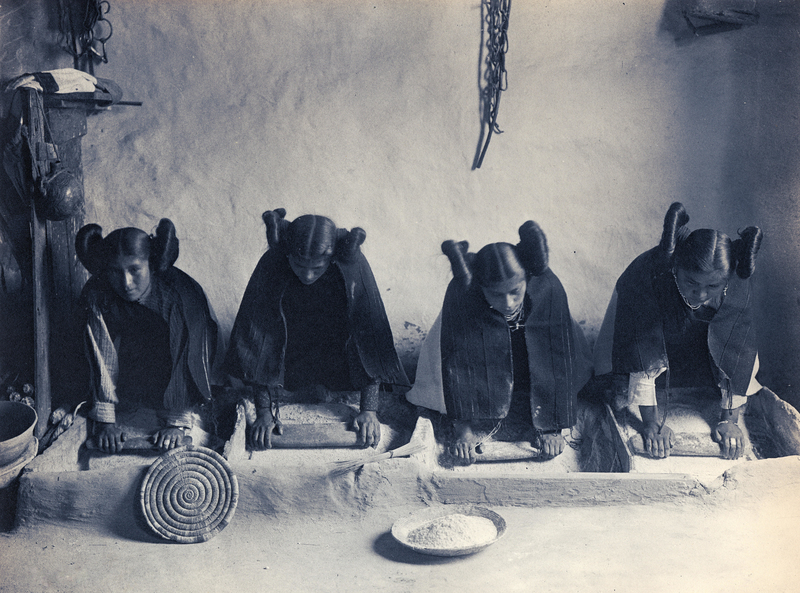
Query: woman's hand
{"points": [[463, 447], [655, 443], [730, 436], [552, 444], [110, 437], [368, 428], [168, 438], [262, 430]]}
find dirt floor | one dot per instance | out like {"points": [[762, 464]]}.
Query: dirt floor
{"points": [[743, 544], [739, 533]]}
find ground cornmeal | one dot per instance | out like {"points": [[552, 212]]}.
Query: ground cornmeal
{"points": [[453, 532]]}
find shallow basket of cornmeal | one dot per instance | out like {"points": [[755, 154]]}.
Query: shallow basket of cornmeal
{"points": [[450, 530]]}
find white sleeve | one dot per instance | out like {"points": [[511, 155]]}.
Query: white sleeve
{"points": [[735, 401], [428, 390], [642, 387], [104, 367]]}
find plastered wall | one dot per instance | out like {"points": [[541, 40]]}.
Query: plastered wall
{"points": [[368, 112]]}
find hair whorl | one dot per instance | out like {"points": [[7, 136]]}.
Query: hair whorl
{"points": [[532, 248], [675, 229], [276, 223], [164, 246], [349, 242], [745, 250], [89, 248], [456, 253]]}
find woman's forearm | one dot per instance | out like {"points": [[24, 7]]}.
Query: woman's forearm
{"points": [[729, 415], [649, 414], [102, 356], [264, 396], [370, 397]]}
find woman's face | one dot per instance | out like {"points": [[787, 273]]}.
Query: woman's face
{"points": [[506, 297], [701, 288], [129, 276], [309, 269]]}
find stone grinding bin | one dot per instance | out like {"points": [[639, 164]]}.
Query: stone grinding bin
{"points": [[17, 443]]}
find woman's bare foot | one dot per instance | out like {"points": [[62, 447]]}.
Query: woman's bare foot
{"points": [[463, 447]]}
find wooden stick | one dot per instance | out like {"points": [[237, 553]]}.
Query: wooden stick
{"points": [[685, 446], [492, 453], [301, 436], [136, 443]]}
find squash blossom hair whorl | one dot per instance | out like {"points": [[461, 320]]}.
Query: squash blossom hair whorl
{"points": [[163, 246], [675, 230], [459, 256], [532, 249], [311, 236], [89, 248], [745, 250], [348, 244], [95, 252], [276, 227], [707, 250], [499, 262]]}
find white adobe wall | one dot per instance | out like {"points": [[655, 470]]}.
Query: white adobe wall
{"points": [[367, 111]]}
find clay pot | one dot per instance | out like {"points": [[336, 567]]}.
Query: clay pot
{"points": [[60, 195], [17, 422]]}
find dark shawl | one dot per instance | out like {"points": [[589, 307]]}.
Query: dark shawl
{"points": [[646, 291], [477, 367], [180, 301], [258, 338]]}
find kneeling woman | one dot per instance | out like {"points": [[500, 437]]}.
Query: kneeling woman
{"points": [[312, 316], [504, 344], [683, 311], [150, 335]]}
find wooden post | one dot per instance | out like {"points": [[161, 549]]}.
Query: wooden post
{"points": [[41, 323], [66, 275]]}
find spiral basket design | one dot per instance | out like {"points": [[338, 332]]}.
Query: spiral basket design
{"points": [[189, 494]]}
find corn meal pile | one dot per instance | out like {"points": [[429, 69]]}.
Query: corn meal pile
{"points": [[453, 531]]}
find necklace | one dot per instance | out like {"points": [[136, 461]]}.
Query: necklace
{"points": [[685, 300], [513, 320]]}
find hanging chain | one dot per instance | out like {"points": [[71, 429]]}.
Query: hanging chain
{"points": [[85, 36], [497, 13]]}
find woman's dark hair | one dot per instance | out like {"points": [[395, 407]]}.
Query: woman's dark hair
{"points": [[675, 229], [497, 262], [89, 248], [706, 250], [312, 236], [745, 249], [532, 248], [95, 252], [460, 258]]}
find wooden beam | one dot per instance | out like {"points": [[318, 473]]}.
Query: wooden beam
{"points": [[41, 323]]}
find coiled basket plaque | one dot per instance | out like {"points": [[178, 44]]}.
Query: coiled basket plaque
{"points": [[189, 494]]}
